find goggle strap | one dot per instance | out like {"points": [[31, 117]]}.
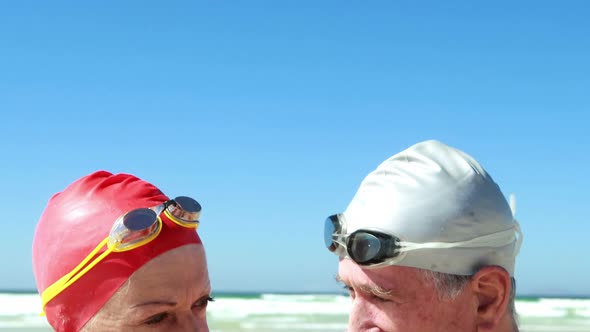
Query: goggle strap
{"points": [[520, 238], [517, 225], [492, 240], [62, 283], [87, 268]]}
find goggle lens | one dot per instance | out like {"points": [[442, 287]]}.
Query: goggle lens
{"points": [[328, 234], [134, 229], [363, 247], [139, 219], [187, 210], [332, 228]]}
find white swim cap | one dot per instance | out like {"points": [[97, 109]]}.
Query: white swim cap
{"points": [[433, 193]]}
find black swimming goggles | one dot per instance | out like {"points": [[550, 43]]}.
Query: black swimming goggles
{"points": [[364, 246], [369, 247]]}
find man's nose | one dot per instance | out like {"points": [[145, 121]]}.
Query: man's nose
{"points": [[362, 316]]}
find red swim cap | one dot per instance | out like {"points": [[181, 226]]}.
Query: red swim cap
{"points": [[74, 222]]}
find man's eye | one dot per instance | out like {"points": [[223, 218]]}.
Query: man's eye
{"points": [[350, 291], [156, 319], [380, 299]]}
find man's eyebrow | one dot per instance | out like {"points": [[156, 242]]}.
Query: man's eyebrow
{"points": [[341, 281], [368, 288], [376, 290], [154, 302]]}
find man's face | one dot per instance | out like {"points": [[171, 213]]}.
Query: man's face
{"points": [[400, 299]]}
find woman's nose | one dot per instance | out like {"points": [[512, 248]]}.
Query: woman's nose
{"points": [[190, 323]]}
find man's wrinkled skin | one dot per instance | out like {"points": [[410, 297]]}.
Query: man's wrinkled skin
{"points": [[400, 299]]}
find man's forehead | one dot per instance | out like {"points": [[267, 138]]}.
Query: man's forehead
{"points": [[394, 279]]}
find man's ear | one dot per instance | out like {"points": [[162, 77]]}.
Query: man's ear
{"points": [[491, 286]]}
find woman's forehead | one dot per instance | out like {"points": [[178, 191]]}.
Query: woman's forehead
{"points": [[178, 273]]}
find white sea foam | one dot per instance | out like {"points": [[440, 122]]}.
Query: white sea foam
{"points": [[292, 326], [310, 312], [18, 310], [554, 308], [275, 304], [19, 304]]}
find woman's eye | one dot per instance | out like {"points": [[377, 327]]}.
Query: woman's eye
{"points": [[156, 318], [203, 302]]}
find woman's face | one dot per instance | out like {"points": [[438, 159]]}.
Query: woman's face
{"points": [[169, 293]]}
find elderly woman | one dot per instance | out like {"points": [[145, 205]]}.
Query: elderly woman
{"points": [[113, 253]]}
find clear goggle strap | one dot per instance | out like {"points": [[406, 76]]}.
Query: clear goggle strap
{"points": [[517, 225], [498, 239], [340, 251], [519, 239]]}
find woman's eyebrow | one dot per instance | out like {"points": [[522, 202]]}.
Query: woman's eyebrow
{"points": [[155, 302]]}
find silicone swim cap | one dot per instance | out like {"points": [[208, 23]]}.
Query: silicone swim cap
{"points": [[74, 222], [432, 192]]}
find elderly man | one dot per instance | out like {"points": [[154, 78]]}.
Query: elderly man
{"points": [[428, 243]]}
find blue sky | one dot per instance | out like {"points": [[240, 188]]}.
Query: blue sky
{"points": [[271, 113]]}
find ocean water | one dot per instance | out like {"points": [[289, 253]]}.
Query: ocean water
{"points": [[305, 312]]}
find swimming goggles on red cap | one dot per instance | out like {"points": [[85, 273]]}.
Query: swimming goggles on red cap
{"points": [[372, 247], [131, 230]]}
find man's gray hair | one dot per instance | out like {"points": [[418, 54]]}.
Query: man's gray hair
{"points": [[449, 286]]}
